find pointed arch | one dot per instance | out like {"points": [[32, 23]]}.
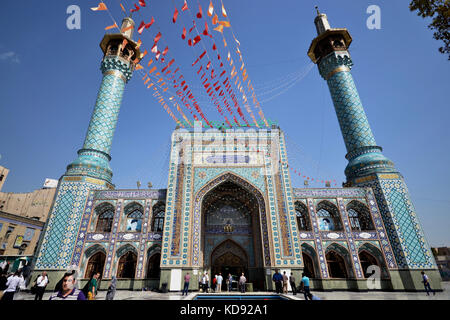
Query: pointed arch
{"points": [[134, 213], [154, 262], [127, 256], [303, 220], [105, 216], [158, 215], [339, 262], [359, 216], [96, 256], [310, 261], [328, 216], [228, 177], [370, 255]]}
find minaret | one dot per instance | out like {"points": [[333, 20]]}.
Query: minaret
{"points": [[91, 170], [367, 166]]}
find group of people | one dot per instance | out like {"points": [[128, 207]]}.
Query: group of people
{"points": [[216, 283], [282, 280], [65, 289], [12, 282]]}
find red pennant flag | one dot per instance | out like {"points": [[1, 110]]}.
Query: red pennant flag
{"points": [[148, 25], [200, 13], [164, 69], [214, 47], [137, 8], [190, 42], [223, 72], [154, 48], [158, 36], [142, 3], [208, 65], [165, 51], [195, 62], [185, 6], [193, 22], [171, 62], [175, 15], [141, 27], [158, 55], [205, 32], [183, 35], [203, 54], [197, 40]]}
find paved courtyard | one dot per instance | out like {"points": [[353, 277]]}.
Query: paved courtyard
{"points": [[334, 295]]}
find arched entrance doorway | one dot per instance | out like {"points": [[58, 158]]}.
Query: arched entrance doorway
{"points": [[229, 258], [95, 264], [231, 233]]}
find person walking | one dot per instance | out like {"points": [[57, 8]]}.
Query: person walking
{"points": [[204, 282], [41, 284], [312, 297], [426, 283], [26, 272], [285, 282], [3, 280], [214, 283], [187, 278], [230, 282], [305, 281], [93, 284], [68, 290], [242, 281], [111, 289], [292, 282], [12, 284], [219, 282], [278, 279]]}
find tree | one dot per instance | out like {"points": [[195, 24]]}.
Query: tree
{"points": [[439, 11]]}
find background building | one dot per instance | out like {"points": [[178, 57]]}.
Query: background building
{"points": [[22, 218]]}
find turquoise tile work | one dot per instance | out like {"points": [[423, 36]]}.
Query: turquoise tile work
{"points": [[351, 116], [204, 175], [64, 221], [104, 119]]}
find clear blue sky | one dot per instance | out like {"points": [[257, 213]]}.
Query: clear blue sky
{"points": [[50, 78]]}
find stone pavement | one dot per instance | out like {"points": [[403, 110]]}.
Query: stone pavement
{"points": [[333, 295]]}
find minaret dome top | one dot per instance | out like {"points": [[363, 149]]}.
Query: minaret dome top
{"points": [[321, 22]]}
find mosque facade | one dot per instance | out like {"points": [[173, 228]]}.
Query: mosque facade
{"points": [[230, 207]]}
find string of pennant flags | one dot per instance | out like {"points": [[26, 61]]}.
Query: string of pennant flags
{"points": [[218, 78]]}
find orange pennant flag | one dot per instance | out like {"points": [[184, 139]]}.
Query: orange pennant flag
{"points": [[139, 67], [210, 9], [152, 70], [215, 19], [139, 44], [112, 27], [150, 62], [127, 28], [123, 9], [150, 85], [225, 24], [101, 7], [219, 28], [224, 42], [224, 13], [144, 54], [146, 81]]}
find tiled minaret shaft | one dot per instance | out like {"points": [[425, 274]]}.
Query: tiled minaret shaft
{"points": [[91, 169], [367, 166]]}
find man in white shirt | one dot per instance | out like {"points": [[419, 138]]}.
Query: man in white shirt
{"points": [[41, 283], [219, 282], [12, 284]]}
